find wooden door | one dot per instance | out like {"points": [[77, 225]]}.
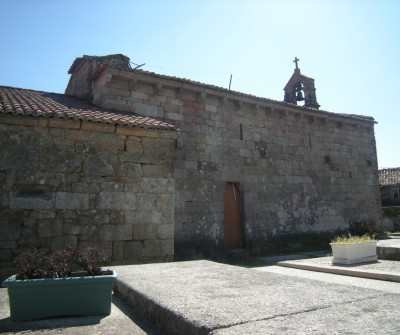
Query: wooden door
{"points": [[232, 224]]}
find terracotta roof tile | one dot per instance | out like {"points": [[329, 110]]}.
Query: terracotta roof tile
{"points": [[20, 101], [388, 177]]}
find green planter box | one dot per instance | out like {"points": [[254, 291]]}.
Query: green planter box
{"points": [[73, 296]]}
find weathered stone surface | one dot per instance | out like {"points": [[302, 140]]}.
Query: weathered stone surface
{"points": [[118, 251], [166, 231], [144, 232], [133, 250], [56, 158], [63, 242], [134, 147], [115, 233], [127, 169], [49, 228], [98, 166], [67, 200], [149, 216], [72, 184], [10, 231], [117, 200], [152, 248], [167, 247], [157, 202], [110, 143], [18, 201]]}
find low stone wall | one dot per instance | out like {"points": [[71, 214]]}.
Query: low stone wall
{"points": [[67, 183]]}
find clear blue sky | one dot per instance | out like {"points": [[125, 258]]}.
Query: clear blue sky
{"points": [[351, 48]]}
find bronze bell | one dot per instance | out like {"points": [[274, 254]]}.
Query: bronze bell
{"points": [[299, 96]]}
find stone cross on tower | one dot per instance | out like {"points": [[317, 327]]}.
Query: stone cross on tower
{"points": [[297, 84], [295, 61]]}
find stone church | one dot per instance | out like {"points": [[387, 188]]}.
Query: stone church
{"points": [[149, 166]]}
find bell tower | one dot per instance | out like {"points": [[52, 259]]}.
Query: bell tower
{"points": [[298, 85]]}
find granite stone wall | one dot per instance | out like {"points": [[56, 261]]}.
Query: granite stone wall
{"points": [[67, 183], [303, 174]]}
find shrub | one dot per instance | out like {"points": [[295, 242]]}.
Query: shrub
{"points": [[61, 262], [91, 260], [34, 264]]}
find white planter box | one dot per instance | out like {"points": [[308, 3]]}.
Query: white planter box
{"points": [[353, 253]]}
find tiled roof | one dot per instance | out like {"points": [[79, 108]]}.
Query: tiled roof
{"points": [[388, 177], [26, 102]]}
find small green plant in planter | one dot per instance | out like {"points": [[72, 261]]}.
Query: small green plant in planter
{"points": [[351, 239], [47, 286], [353, 249]]}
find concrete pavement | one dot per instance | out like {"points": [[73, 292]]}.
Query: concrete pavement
{"points": [[202, 297], [122, 320]]}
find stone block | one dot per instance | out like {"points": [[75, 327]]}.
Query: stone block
{"points": [[127, 169], [125, 130], [165, 231], [155, 202], [10, 231], [18, 120], [158, 185], [153, 171], [85, 187], [98, 127], [62, 123], [67, 200], [149, 217], [134, 147], [62, 242], [118, 250], [110, 143], [144, 232], [117, 200], [17, 157], [180, 173], [152, 248], [6, 255], [145, 109], [139, 159], [117, 217], [133, 250], [96, 165], [32, 201], [8, 245], [59, 159], [158, 148], [115, 233], [167, 247], [49, 228]]}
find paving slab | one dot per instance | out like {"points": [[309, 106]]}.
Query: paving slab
{"points": [[372, 316], [122, 321], [381, 285], [382, 269], [201, 297]]}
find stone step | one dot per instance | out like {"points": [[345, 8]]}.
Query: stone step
{"points": [[389, 249]]}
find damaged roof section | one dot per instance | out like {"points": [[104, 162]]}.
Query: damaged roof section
{"points": [[18, 101], [88, 69]]}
